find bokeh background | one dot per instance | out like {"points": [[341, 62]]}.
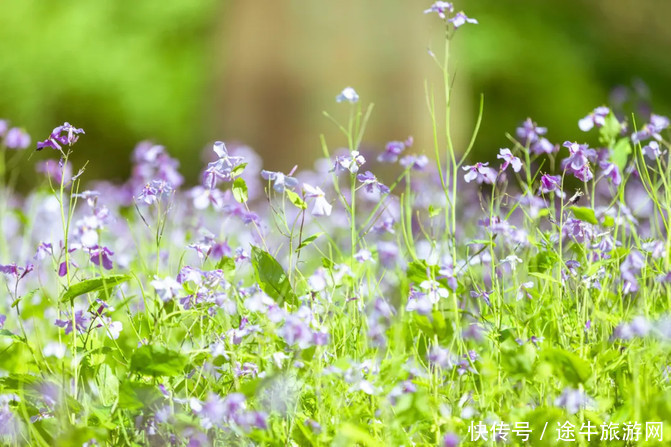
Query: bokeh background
{"points": [[185, 73]]}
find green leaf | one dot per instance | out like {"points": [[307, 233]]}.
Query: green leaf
{"points": [[308, 240], [10, 334], [93, 285], [543, 261], [296, 199], [610, 130], [227, 264], [136, 395], [574, 369], [433, 211], [585, 214], [620, 152], [156, 361], [237, 171], [240, 190], [271, 277]]}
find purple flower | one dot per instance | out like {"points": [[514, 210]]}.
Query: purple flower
{"points": [[418, 162], [482, 294], [166, 288], [530, 132], [578, 230], [461, 19], [14, 270], [441, 357], [350, 162], [480, 173], [596, 118], [371, 183], [611, 171], [543, 146], [577, 162], [4, 125], [54, 170], [509, 159], [221, 169], [280, 180], [348, 94], [440, 8], [651, 150], [393, 150], [450, 440], [81, 321], [152, 192], [418, 302], [652, 129], [17, 139], [296, 332], [3, 318], [573, 400], [103, 254], [550, 183], [65, 135]]}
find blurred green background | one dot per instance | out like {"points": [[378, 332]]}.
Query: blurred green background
{"points": [[185, 73]]}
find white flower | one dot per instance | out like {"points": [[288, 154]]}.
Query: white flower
{"points": [[321, 206], [349, 95]]}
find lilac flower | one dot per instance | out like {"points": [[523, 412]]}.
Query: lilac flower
{"points": [[221, 169], [3, 318], [350, 162], [550, 183], [450, 440], [348, 94], [434, 290], [16, 271], [393, 150], [387, 254], [152, 192], [523, 290], [530, 132], [441, 357], [17, 139], [596, 118], [480, 173], [441, 8], [321, 206], [446, 271], [4, 125], [418, 302], [418, 162], [578, 230], [509, 159], [461, 19], [611, 171], [55, 171], [65, 135], [405, 387], [280, 180], [652, 129], [296, 332], [573, 400], [363, 255], [482, 294], [103, 254], [371, 183], [652, 150], [543, 146], [578, 161], [166, 288], [81, 321]]}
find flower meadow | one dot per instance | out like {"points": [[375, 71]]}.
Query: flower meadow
{"points": [[456, 302]]}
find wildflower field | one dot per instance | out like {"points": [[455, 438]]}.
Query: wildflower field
{"points": [[522, 301]]}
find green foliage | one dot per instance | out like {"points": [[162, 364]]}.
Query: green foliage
{"points": [[271, 277]]}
